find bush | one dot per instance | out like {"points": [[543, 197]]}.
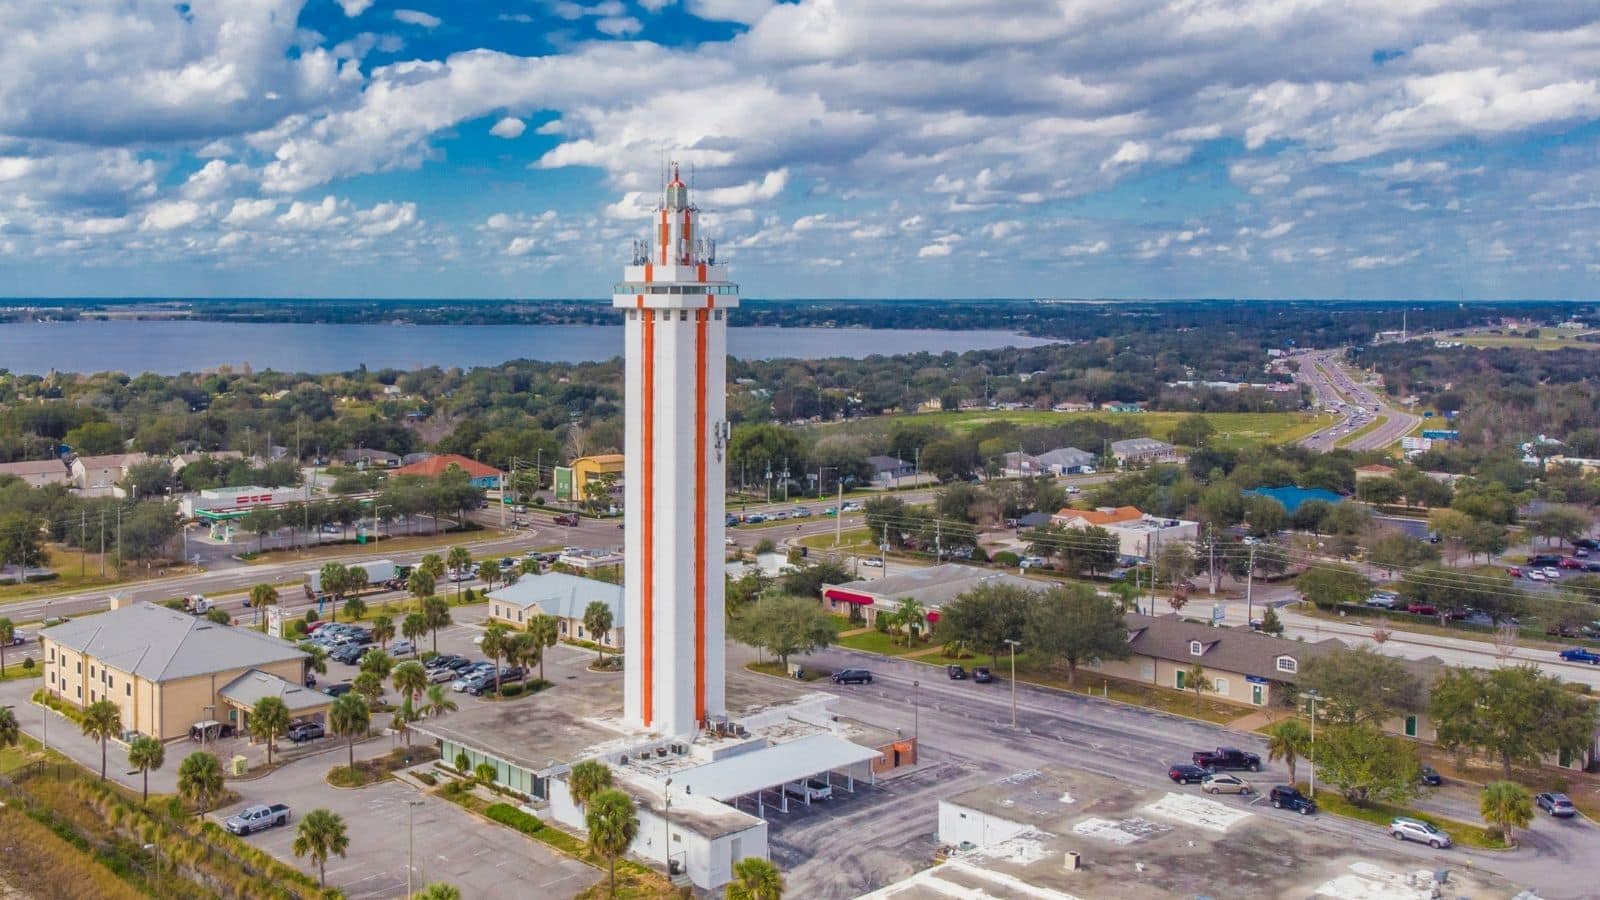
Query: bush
{"points": [[311, 616], [881, 623], [463, 762], [1006, 558], [511, 690], [427, 778], [506, 814], [173, 604], [979, 555], [1577, 687], [27, 664]]}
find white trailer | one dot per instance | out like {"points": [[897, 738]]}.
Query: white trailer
{"points": [[378, 572]]}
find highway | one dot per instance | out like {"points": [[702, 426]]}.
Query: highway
{"points": [[1333, 388]]}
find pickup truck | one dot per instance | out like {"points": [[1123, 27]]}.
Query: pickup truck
{"points": [[1580, 655], [257, 818], [1227, 758]]}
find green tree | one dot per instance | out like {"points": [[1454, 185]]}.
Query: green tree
{"points": [[355, 608], [785, 626], [1174, 563], [1366, 765], [612, 826], [489, 572], [1270, 623], [420, 583], [263, 595], [887, 516], [586, 779], [1398, 550], [413, 627], [1073, 625], [369, 685], [460, 562], [350, 718], [335, 579], [439, 891], [410, 680], [316, 657], [755, 878], [1288, 740], [985, 617], [21, 540], [910, 617], [438, 702], [1360, 686], [1264, 515], [261, 521], [102, 721], [433, 564], [546, 632], [144, 753], [200, 780], [1563, 523], [436, 610], [10, 731], [1329, 585], [321, 834], [383, 631], [1195, 679], [486, 773], [597, 620], [1192, 431], [494, 647], [268, 719], [1506, 805], [1514, 714], [8, 633], [378, 663]]}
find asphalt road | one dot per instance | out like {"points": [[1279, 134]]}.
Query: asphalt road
{"points": [[1334, 388]]}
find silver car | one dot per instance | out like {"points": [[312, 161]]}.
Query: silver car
{"points": [[1404, 829]]}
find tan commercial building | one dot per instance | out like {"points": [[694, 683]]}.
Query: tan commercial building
{"points": [[168, 671], [40, 472], [566, 597]]}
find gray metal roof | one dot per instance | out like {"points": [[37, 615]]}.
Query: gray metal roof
{"points": [[1140, 445], [562, 595], [935, 586], [255, 684], [1238, 649], [161, 644], [1066, 456]]}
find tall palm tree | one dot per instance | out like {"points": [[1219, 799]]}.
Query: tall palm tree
{"points": [[403, 716], [586, 779], [355, 608], [494, 647], [350, 718], [102, 721], [268, 719], [368, 685], [413, 627], [378, 663], [334, 580], [383, 631], [356, 579], [144, 754], [316, 657], [8, 633], [410, 680], [10, 731], [437, 612], [321, 834], [612, 827], [910, 615], [439, 891], [438, 702], [459, 560], [546, 632], [421, 582], [263, 595], [489, 572], [200, 779], [522, 650], [1506, 804], [755, 879], [597, 618], [1288, 740], [433, 564]]}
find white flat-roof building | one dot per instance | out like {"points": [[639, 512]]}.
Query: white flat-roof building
{"points": [[566, 597]]}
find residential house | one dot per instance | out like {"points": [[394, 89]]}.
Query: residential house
{"points": [[434, 466], [181, 461], [103, 472], [1142, 450], [1061, 461], [1137, 534], [38, 473], [366, 457], [566, 597], [888, 470]]}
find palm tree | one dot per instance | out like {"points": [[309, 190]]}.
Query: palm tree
{"points": [[523, 650], [438, 702], [263, 595], [321, 835], [355, 608], [437, 612], [403, 717], [546, 632], [910, 615], [489, 572], [1506, 804], [494, 647], [316, 657], [350, 717], [10, 731], [413, 627], [8, 633], [1288, 740], [383, 631], [268, 719], [421, 582], [378, 663], [439, 891], [586, 779], [612, 827], [200, 779], [144, 754], [334, 579], [459, 560], [485, 772], [410, 680], [433, 564], [356, 579], [368, 685], [102, 721], [755, 879], [597, 618]]}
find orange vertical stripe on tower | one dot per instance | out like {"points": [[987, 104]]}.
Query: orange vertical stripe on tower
{"points": [[647, 585], [664, 237], [701, 275], [700, 317]]}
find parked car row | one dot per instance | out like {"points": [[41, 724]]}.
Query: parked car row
{"points": [[980, 674]]}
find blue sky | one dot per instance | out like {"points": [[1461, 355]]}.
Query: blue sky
{"points": [[856, 148]]}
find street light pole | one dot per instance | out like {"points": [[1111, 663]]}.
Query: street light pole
{"points": [[1014, 645], [666, 820], [411, 842], [916, 716], [1311, 764]]}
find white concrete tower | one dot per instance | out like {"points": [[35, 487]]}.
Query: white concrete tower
{"points": [[677, 300]]}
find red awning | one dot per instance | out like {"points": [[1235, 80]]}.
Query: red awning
{"points": [[840, 596], [932, 616]]}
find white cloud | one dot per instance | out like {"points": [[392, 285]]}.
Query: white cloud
{"points": [[353, 8], [619, 26], [386, 218], [303, 215], [418, 18], [509, 127], [769, 187], [1087, 248], [170, 214], [246, 211]]}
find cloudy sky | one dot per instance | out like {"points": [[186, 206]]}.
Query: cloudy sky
{"points": [[850, 148]]}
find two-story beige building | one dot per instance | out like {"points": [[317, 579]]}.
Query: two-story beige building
{"points": [[566, 597], [167, 670]]}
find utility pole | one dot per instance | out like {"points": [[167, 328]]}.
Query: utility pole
{"points": [[102, 542], [1249, 581], [883, 550], [119, 541], [1014, 645], [838, 517], [1211, 545], [786, 479]]}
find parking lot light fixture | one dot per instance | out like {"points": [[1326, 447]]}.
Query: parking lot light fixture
{"points": [[411, 843], [916, 716]]}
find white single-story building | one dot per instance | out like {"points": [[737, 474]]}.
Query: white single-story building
{"points": [[566, 597]]}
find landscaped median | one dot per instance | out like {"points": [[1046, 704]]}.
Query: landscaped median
{"points": [[1381, 814]]}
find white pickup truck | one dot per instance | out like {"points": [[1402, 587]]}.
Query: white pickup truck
{"points": [[257, 818]]}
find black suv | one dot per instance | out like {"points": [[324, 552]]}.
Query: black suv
{"points": [[1285, 797], [852, 676], [956, 673]]}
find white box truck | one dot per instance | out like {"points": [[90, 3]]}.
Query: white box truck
{"points": [[378, 572]]}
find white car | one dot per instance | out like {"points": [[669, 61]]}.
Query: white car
{"points": [[1225, 783], [873, 562], [809, 789], [1535, 575], [1551, 572]]}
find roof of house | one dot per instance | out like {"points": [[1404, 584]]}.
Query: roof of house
{"points": [[356, 453], [887, 463], [113, 460], [434, 466], [35, 467], [1106, 515], [1376, 469], [1292, 496], [1066, 456], [1034, 520], [562, 595], [604, 459], [256, 684], [932, 586], [161, 644], [1237, 649], [184, 459], [1137, 445]]}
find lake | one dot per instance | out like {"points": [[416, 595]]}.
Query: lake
{"points": [[168, 347]]}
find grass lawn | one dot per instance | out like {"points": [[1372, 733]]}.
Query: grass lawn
{"points": [[807, 673], [1232, 429], [877, 642], [1532, 637], [1545, 341], [15, 672], [1380, 814], [853, 540], [1360, 432], [399, 543], [67, 565]]}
